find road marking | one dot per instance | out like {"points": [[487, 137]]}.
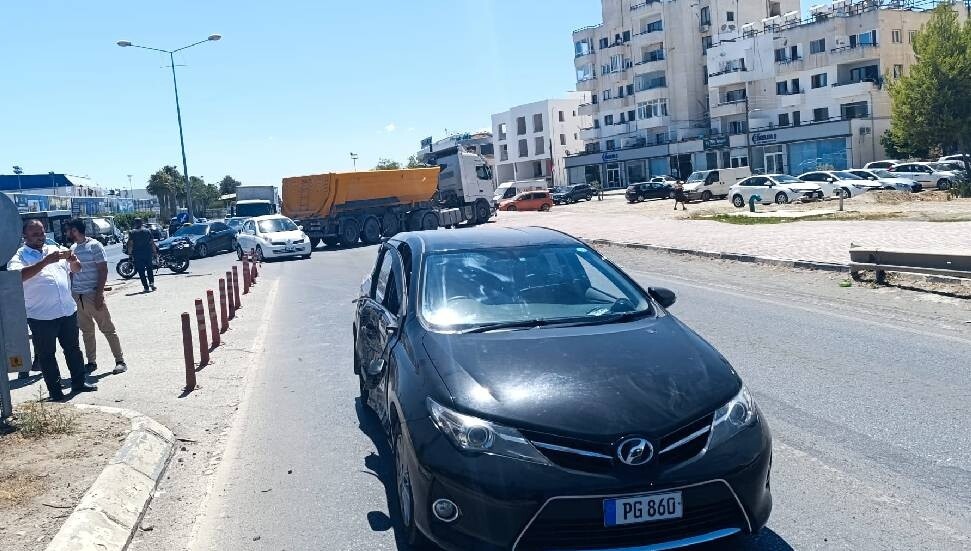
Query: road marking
{"points": [[232, 444]]}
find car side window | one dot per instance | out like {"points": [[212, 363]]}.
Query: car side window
{"points": [[384, 273], [392, 295]]}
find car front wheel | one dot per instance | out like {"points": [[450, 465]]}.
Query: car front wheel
{"points": [[943, 184], [202, 250], [781, 198], [738, 201], [406, 498]]}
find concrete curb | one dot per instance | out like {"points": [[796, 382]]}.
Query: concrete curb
{"points": [[780, 262], [109, 512]]}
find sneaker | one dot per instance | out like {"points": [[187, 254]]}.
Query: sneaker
{"points": [[90, 367], [146, 290], [84, 387], [120, 367], [152, 286]]}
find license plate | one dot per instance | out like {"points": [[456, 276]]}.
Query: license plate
{"points": [[631, 510], [289, 249]]}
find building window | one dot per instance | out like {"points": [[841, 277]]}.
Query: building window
{"points": [[736, 127], [540, 146], [796, 118], [738, 160], [868, 39], [898, 71], [562, 116], [650, 81], [630, 89], [502, 131], [734, 96], [611, 145], [911, 35], [730, 16], [562, 139], [604, 43], [706, 42], [817, 46], [538, 122], [706, 15], [794, 52], [775, 8], [780, 54], [821, 114], [520, 126], [782, 88], [856, 110], [585, 73], [605, 95], [795, 86], [608, 120], [660, 137], [653, 108], [523, 149], [783, 119], [583, 47], [503, 152], [897, 36], [819, 80]]}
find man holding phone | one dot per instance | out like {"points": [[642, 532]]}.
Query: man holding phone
{"points": [[51, 311]]}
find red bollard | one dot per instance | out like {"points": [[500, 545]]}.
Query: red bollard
{"points": [[213, 322], [203, 340], [190, 364], [223, 311], [236, 288], [252, 276], [245, 276], [229, 295]]}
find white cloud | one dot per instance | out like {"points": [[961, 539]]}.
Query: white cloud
{"points": [[390, 127]]}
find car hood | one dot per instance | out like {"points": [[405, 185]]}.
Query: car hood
{"points": [[801, 186], [647, 377], [168, 241], [692, 186], [906, 181]]}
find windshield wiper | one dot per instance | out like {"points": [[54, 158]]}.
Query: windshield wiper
{"points": [[613, 318], [522, 324]]}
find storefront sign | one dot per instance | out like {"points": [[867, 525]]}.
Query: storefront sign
{"points": [[716, 142], [762, 138], [609, 157]]}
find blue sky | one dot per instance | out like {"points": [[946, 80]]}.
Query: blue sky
{"points": [[292, 87]]}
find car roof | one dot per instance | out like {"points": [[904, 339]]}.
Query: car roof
{"points": [[432, 241], [265, 217]]}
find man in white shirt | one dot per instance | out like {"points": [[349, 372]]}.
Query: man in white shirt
{"points": [[51, 311]]}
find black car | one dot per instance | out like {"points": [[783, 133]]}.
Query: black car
{"points": [[207, 238], [536, 397], [648, 190], [572, 194]]}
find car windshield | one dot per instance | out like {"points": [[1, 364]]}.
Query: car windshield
{"points": [[276, 224], [844, 175], [463, 290], [940, 166], [786, 179], [195, 229], [560, 189], [882, 173], [696, 177], [234, 223]]}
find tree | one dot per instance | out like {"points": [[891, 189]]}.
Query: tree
{"points": [[228, 185], [413, 162], [387, 164], [901, 150], [930, 108]]}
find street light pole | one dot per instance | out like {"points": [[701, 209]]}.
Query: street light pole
{"points": [[178, 109], [354, 160], [18, 171]]}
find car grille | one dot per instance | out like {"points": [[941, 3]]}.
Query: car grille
{"points": [[578, 523], [599, 457]]}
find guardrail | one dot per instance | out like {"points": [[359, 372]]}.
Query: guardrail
{"points": [[881, 261]]}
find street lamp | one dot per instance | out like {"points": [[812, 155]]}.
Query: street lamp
{"points": [[354, 160], [178, 110], [18, 171], [54, 187]]}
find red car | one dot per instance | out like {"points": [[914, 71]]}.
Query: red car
{"points": [[529, 200]]}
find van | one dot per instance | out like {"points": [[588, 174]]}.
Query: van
{"points": [[509, 190], [709, 184]]}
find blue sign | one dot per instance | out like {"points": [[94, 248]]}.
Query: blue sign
{"points": [[609, 157]]}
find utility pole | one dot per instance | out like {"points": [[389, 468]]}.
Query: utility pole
{"points": [[54, 187], [130, 192], [354, 160]]}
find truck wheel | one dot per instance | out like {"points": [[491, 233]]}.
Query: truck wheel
{"points": [[415, 220], [314, 241], [482, 211], [332, 241], [429, 221], [349, 232], [390, 224], [371, 232]]}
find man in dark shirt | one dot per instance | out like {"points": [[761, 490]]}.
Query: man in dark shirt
{"points": [[142, 249]]}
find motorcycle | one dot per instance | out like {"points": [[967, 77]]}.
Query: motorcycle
{"points": [[175, 257]]}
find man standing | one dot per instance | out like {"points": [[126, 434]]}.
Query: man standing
{"points": [[88, 287], [51, 312], [142, 249]]}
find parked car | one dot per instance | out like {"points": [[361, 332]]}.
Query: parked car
{"points": [[572, 194], [537, 397], [272, 236], [779, 188], [886, 179], [529, 200], [157, 231], [882, 164], [928, 174], [207, 238], [709, 184], [508, 190], [669, 180], [957, 167], [959, 158], [647, 190], [835, 182]]}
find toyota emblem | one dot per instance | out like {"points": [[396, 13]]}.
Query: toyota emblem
{"points": [[635, 451]]}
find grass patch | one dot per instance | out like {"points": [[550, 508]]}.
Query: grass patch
{"points": [[743, 220], [748, 220], [38, 418], [18, 487]]}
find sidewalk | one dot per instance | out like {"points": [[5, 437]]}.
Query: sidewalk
{"points": [[150, 331], [817, 241]]}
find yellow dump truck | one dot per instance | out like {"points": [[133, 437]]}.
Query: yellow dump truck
{"points": [[344, 207]]}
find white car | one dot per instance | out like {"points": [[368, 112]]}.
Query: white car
{"points": [[928, 174], [887, 180], [959, 158], [272, 236], [882, 164], [777, 188], [834, 182]]}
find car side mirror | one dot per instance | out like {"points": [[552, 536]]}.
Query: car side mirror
{"points": [[830, 179], [373, 372], [664, 297], [300, 227]]}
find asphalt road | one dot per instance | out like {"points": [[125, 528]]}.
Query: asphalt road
{"points": [[867, 391]]}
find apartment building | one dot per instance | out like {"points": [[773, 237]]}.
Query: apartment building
{"points": [[792, 94], [645, 68], [531, 141]]}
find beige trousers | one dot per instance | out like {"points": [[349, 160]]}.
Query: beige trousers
{"points": [[88, 316]]}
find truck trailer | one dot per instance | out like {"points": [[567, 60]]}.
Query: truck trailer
{"points": [[347, 207]]}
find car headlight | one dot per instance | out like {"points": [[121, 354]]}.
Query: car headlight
{"points": [[739, 413], [472, 434]]}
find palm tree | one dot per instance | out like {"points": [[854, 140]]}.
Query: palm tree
{"points": [[164, 185]]}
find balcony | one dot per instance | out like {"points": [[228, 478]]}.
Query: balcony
{"points": [[859, 52], [729, 108], [648, 36], [654, 122], [587, 109], [855, 88], [618, 129], [792, 99], [587, 28], [728, 77], [646, 4], [617, 103], [590, 134]]}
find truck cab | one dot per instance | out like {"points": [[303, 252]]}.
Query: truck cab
{"points": [[465, 182]]}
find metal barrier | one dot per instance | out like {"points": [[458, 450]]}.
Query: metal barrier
{"points": [[881, 261]]}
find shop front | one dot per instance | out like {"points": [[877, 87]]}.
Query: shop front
{"points": [[618, 169], [795, 150]]}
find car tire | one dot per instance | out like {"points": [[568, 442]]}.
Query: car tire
{"points": [[259, 254], [406, 496], [589, 197], [307, 256], [202, 250], [545, 207], [943, 184], [239, 252], [846, 193], [781, 198], [706, 196], [511, 208], [738, 201]]}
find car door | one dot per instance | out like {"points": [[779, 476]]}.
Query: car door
{"points": [[380, 313], [907, 171], [221, 236], [761, 186], [246, 238]]}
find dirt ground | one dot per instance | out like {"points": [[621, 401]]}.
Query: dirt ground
{"points": [[43, 478]]}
